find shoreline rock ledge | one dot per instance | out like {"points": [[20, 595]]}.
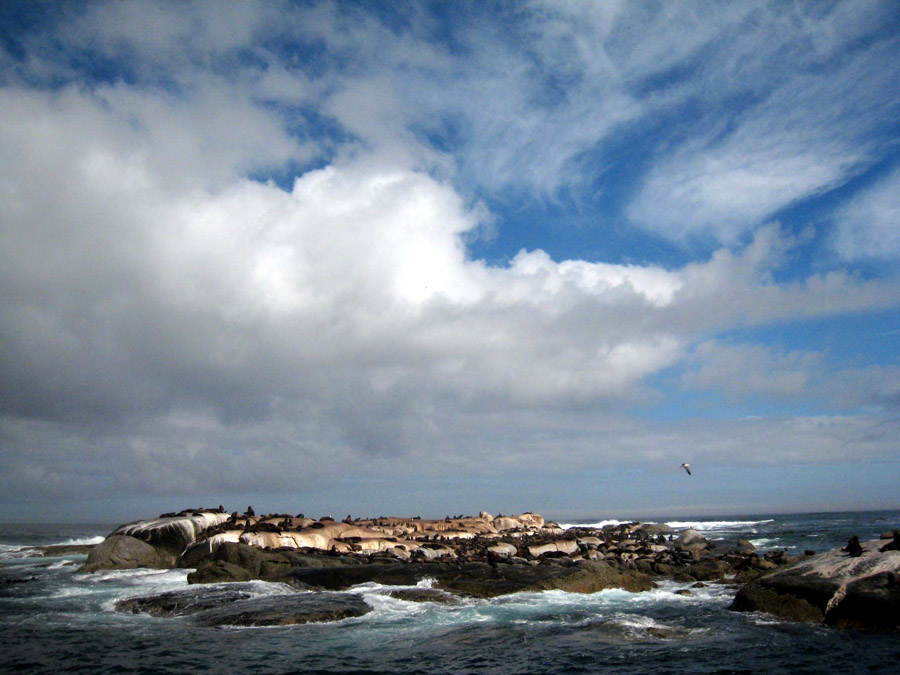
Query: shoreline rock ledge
{"points": [[475, 556], [485, 556], [847, 589], [156, 543]]}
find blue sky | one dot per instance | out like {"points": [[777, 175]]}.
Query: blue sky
{"points": [[443, 257]]}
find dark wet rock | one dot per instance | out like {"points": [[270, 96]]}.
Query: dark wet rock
{"points": [[839, 588], [628, 631], [227, 562], [240, 562], [645, 565], [424, 595], [118, 552], [663, 569], [756, 597], [195, 555], [708, 570], [389, 573], [240, 555], [480, 580], [285, 610], [318, 560], [219, 571], [872, 602], [183, 602], [60, 550], [760, 564], [274, 567]]}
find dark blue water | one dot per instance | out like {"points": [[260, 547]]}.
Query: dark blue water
{"points": [[55, 620]]}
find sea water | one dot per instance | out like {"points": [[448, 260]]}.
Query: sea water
{"points": [[54, 620]]}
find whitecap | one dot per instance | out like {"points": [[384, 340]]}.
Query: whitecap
{"points": [[82, 541], [153, 585], [639, 627], [715, 524], [12, 552], [71, 591], [17, 551], [60, 564], [669, 592], [388, 608], [596, 526], [138, 575]]}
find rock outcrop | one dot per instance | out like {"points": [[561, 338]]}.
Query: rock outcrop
{"points": [[479, 556], [238, 605], [858, 588], [285, 610], [477, 579], [175, 533], [118, 552], [155, 543]]}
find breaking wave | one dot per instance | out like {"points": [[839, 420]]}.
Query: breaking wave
{"points": [[702, 525], [596, 525]]}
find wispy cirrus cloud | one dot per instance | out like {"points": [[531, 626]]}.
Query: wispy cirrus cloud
{"points": [[807, 136]]}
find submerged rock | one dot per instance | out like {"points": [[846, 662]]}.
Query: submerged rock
{"points": [[424, 595], [184, 602], [241, 605], [60, 550], [286, 610]]}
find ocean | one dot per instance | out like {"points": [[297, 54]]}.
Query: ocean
{"points": [[53, 620]]}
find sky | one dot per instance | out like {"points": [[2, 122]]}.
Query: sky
{"points": [[431, 258]]}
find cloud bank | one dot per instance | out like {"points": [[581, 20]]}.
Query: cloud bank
{"points": [[240, 263]]}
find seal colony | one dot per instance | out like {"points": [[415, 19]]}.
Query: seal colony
{"points": [[479, 556]]}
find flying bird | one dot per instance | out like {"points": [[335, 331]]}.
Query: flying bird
{"points": [[686, 467]]}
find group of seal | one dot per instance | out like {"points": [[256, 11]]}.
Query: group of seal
{"points": [[485, 556]]}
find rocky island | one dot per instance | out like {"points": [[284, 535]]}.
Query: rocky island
{"points": [[479, 556]]}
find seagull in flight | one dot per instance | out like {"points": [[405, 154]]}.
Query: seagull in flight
{"points": [[686, 467]]}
